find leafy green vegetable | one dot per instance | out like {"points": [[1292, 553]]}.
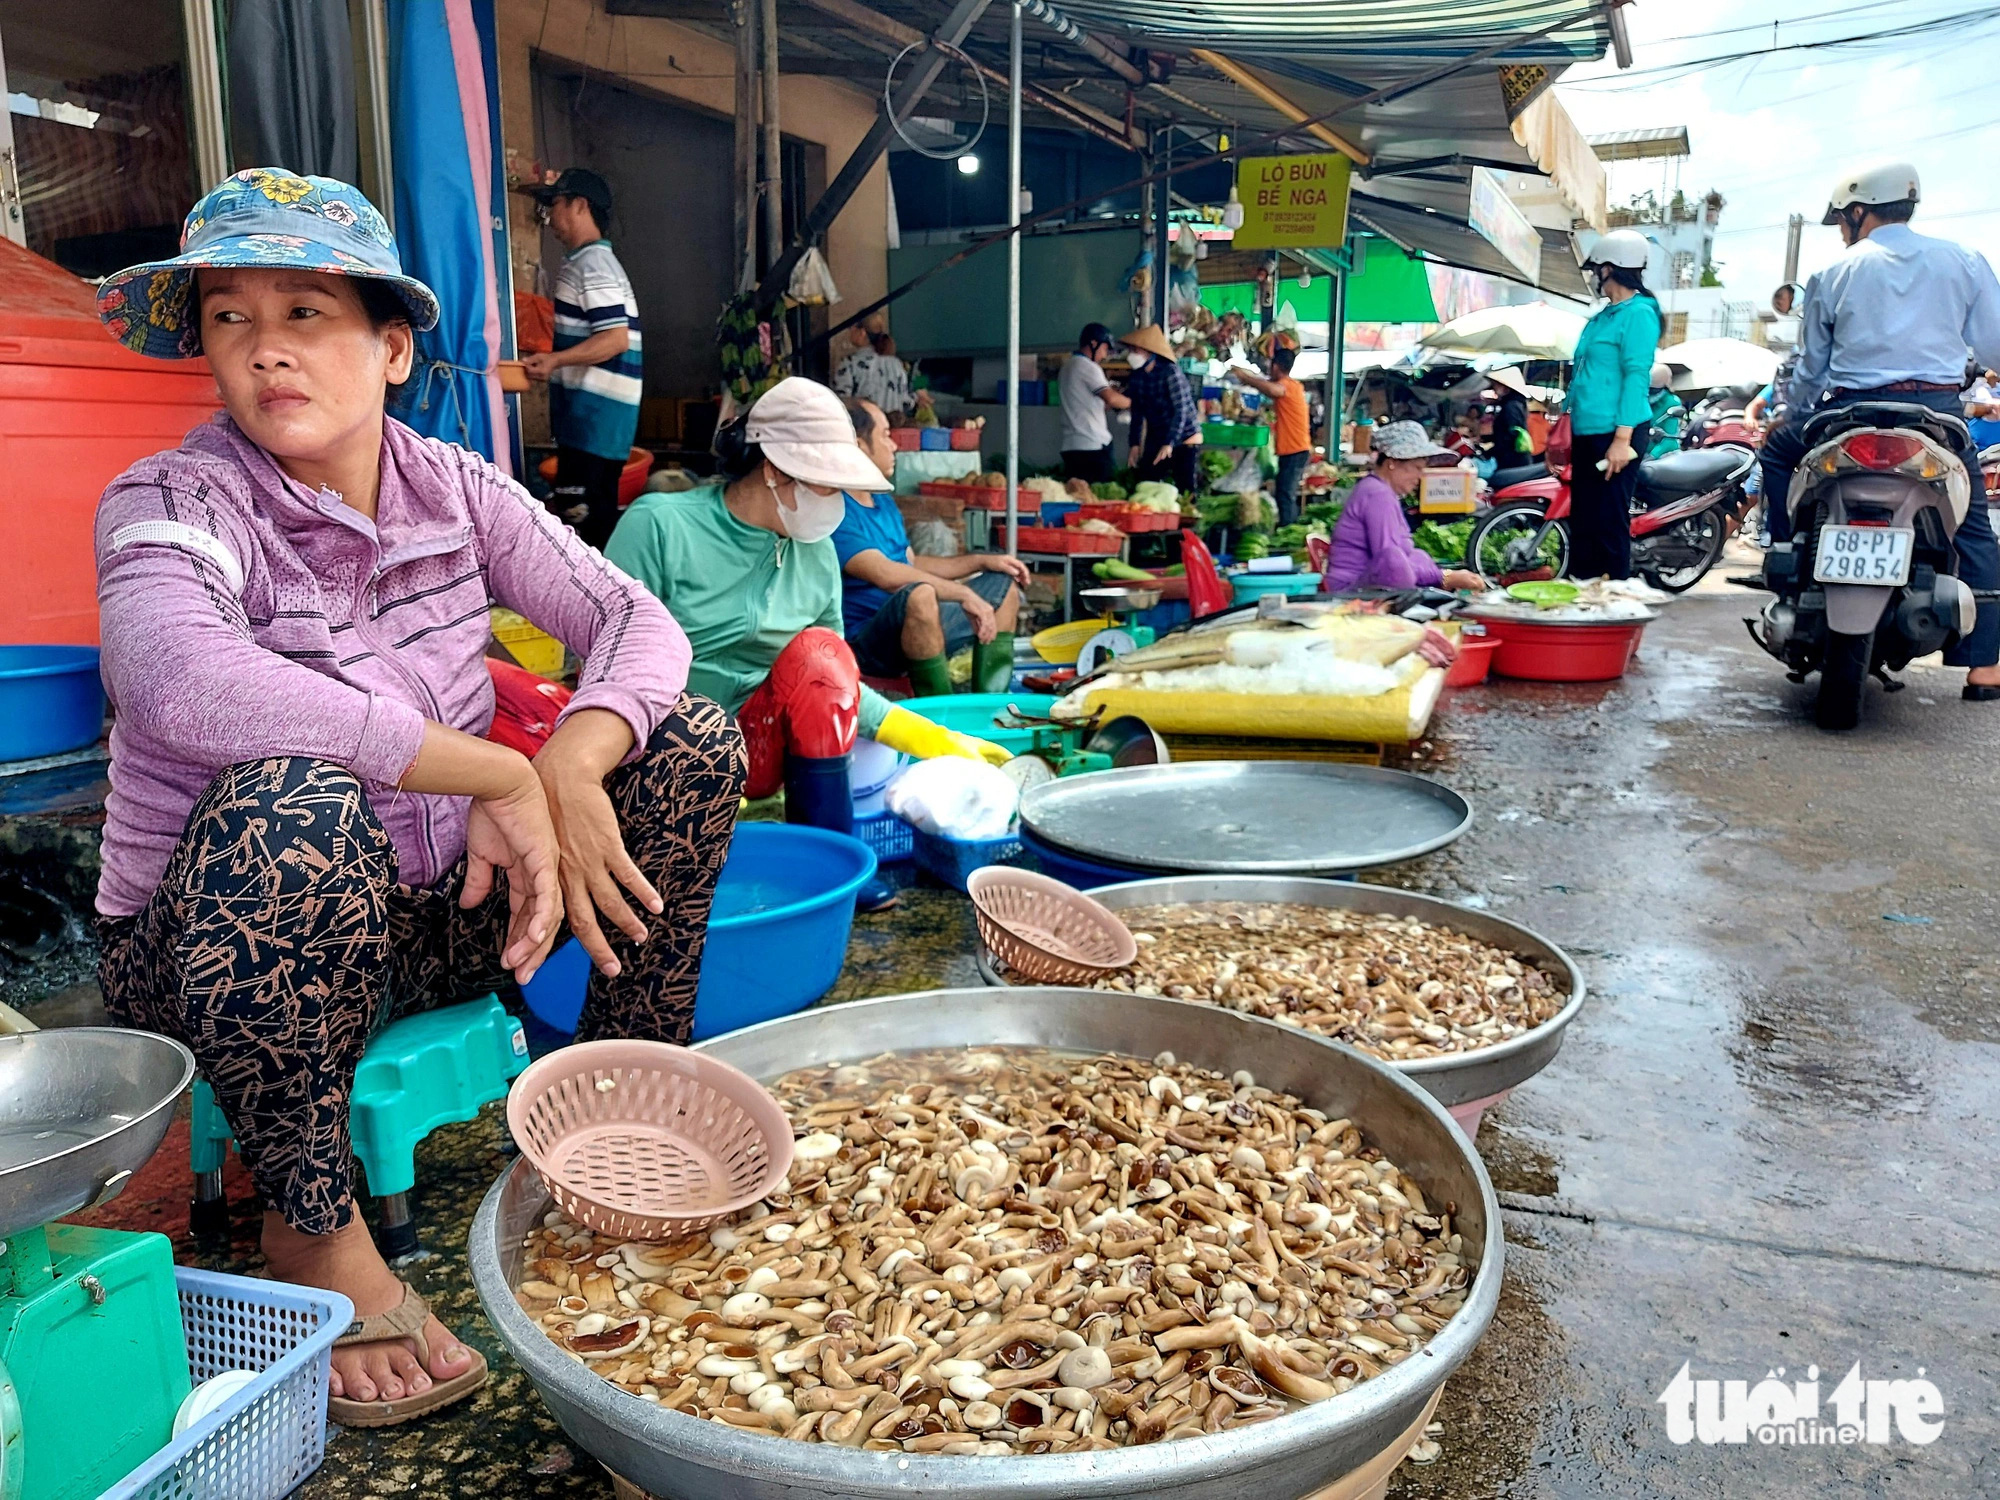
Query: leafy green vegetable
{"points": [[1215, 509], [1109, 489], [1214, 464], [1444, 541], [1252, 545]]}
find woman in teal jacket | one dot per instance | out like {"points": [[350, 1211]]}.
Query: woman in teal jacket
{"points": [[1610, 404]]}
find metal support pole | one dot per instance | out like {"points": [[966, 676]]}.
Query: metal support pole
{"points": [[744, 14], [1163, 199], [774, 141], [205, 120], [375, 43], [1014, 282], [1336, 349]]}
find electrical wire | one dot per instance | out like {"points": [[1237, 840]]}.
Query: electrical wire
{"points": [[1668, 72]]}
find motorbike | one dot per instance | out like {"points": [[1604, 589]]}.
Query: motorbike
{"points": [[1869, 580], [1686, 506]]}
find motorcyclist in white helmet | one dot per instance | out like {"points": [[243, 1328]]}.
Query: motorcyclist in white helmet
{"points": [[1610, 405], [1891, 320]]}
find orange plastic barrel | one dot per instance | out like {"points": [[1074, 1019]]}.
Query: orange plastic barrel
{"points": [[77, 409]]}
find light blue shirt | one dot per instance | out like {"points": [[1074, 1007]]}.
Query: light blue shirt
{"points": [[1897, 306], [1611, 383]]}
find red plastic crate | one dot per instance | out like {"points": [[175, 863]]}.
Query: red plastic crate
{"points": [[1029, 504], [907, 439], [1066, 539], [966, 439]]}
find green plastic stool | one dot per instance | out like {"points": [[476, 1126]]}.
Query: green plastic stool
{"points": [[424, 1071]]}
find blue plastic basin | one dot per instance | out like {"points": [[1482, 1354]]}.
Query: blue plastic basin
{"points": [[51, 700], [777, 934], [975, 713]]}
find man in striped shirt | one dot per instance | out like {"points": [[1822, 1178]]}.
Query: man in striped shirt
{"points": [[595, 372]]}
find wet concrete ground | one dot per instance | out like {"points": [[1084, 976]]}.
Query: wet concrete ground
{"points": [[1767, 1142]]}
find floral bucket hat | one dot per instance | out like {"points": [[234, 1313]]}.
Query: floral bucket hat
{"points": [[265, 217]]}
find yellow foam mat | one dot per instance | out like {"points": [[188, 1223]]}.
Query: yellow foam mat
{"points": [[1394, 717]]}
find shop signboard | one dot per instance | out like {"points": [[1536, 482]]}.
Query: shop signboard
{"points": [[1292, 202], [1499, 219]]}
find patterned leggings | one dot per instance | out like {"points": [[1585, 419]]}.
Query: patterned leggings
{"points": [[278, 942]]}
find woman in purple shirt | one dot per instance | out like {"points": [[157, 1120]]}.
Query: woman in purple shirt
{"points": [[1371, 540], [308, 828]]}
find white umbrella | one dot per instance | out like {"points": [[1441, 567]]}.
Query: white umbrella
{"points": [[1704, 364], [1533, 330]]}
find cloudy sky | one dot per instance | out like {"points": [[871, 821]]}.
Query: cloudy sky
{"points": [[1773, 132]]}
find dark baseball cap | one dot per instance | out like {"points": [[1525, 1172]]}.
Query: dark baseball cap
{"points": [[577, 182]]}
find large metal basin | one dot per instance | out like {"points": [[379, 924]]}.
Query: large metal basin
{"points": [[674, 1455], [1459, 1078]]}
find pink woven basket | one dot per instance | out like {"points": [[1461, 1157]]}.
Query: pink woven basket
{"points": [[648, 1141], [1046, 931]]}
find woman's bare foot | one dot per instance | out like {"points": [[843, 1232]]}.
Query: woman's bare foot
{"points": [[347, 1262]]}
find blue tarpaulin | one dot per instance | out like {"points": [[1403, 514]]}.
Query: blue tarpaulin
{"points": [[442, 152]]}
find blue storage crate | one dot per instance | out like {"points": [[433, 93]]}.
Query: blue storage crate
{"points": [[888, 835], [269, 1437], [934, 439], [951, 861], [1055, 512]]}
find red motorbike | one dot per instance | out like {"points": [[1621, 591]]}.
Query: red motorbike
{"points": [[1686, 507]]}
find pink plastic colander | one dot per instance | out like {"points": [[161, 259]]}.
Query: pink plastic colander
{"points": [[648, 1141]]}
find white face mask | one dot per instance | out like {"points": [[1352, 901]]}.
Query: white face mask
{"points": [[811, 516]]}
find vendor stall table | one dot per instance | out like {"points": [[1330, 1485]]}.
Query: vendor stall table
{"points": [[1066, 562]]}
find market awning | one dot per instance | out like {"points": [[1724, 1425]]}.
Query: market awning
{"points": [[1359, 28], [1123, 69]]}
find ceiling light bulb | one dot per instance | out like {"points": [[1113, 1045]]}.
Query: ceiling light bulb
{"points": [[968, 164], [1232, 211], [1305, 277]]}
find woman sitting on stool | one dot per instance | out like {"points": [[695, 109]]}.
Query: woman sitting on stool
{"points": [[307, 827], [747, 565]]}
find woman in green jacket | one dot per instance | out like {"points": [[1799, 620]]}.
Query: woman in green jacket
{"points": [[748, 567], [1609, 407]]}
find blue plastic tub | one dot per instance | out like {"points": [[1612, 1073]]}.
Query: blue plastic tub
{"points": [[974, 713], [934, 439], [777, 935], [1248, 587], [952, 861], [1071, 869], [51, 700]]}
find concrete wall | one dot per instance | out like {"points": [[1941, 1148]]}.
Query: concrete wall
{"points": [[691, 68]]}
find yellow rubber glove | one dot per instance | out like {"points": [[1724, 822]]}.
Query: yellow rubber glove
{"points": [[913, 734]]}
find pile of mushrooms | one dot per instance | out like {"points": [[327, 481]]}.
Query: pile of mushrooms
{"points": [[1016, 1251], [1393, 986]]}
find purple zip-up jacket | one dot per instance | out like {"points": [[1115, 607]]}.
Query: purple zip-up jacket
{"points": [[1372, 547], [244, 617]]}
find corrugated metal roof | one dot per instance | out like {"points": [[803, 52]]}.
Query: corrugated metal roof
{"points": [[1357, 29], [1636, 145]]}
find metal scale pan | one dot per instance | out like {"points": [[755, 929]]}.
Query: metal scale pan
{"points": [[81, 1110], [1246, 817]]}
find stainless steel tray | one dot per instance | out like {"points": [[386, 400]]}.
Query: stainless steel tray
{"points": [[1276, 817], [81, 1110], [1296, 1455], [1458, 1078]]}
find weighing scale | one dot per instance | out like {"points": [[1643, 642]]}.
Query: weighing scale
{"points": [[93, 1360]]}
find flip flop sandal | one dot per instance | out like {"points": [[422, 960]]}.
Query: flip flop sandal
{"points": [[403, 1322]]}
